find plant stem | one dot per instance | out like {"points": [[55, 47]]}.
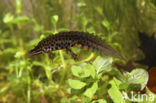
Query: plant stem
{"points": [[29, 90], [62, 59], [64, 66], [87, 59]]}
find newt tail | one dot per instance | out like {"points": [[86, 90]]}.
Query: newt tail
{"points": [[66, 40]]}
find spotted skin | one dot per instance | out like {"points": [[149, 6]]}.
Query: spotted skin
{"points": [[66, 40]]}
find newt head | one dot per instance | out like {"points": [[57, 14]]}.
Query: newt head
{"points": [[36, 51]]}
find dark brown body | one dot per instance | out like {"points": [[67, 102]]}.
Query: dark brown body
{"points": [[65, 40]]}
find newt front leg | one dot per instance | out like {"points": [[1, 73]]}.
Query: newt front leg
{"points": [[50, 55], [74, 56]]}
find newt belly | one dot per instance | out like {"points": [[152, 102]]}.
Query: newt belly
{"points": [[66, 40]]}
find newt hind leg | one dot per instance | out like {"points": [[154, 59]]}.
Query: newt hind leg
{"points": [[74, 56]]}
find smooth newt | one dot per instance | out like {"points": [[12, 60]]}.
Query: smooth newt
{"points": [[66, 40]]}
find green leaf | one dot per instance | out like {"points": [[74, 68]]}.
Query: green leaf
{"points": [[106, 24], [9, 51], [89, 70], [54, 19], [103, 64], [19, 54], [138, 76], [117, 73], [8, 18], [65, 100], [100, 101], [86, 71], [91, 30], [114, 93], [21, 19], [76, 84], [18, 6], [36, 63], [81, 4], [91, 91], [76, 70], [36, 26]]}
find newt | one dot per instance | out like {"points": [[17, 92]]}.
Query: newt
{"points": [[66, 40]]}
